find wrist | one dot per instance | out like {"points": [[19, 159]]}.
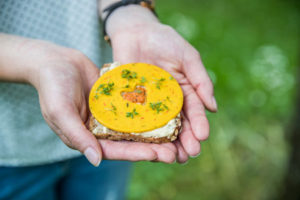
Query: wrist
{"points": [[14, 61], [127, 17]]}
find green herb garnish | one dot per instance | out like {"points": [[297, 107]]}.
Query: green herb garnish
{"points": [[127, 86], [104, 89], [166, 107], [113, 109], [158, 106], [100, 86], [159, 82], [143, 79], [168, 98], [134, 75], [171, 78], [132, 114], [128, 74]]}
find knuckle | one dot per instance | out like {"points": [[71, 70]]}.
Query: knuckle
{"points": [[193, 56], [205, 86], [66, 141], [73, 141], [198, 114], [209, 84], [78, 54], [52, 111], [74, 56]]}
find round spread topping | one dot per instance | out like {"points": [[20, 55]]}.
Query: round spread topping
{"points": [[136, 98]]}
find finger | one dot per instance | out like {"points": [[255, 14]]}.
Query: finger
{"points": [[136, 151], [78, 137], [182, 156], [190, 144], [170, 146], [195, 112], [198, 77], [123, 150], [164, 154]]}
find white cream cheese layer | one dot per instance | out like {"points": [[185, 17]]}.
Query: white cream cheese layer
{"points": [[164, 131]]}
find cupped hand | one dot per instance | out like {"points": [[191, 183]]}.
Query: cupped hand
{"points": [[161, 45], [63, 80]]}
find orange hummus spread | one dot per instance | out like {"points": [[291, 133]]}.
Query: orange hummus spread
{"points": [[135, 97]]}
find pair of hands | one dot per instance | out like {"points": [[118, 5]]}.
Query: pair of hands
{"points": [[63, 78]]}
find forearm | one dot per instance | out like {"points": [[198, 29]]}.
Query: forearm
{"points": [[126, 16], [14, 63]]}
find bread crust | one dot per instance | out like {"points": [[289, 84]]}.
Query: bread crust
{"points": [[114, 135]]}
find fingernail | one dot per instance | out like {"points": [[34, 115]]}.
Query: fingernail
{"points": [[214, 103], [92, 156], [185, 163], [196, 155]]}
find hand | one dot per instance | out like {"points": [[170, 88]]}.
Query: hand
{"points": [[63, 78], [148, 41]]}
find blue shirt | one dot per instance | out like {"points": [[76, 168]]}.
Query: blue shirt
{"points": [[25, 138]]}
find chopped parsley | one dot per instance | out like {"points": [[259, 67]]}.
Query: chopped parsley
{"points": [[113, 109], [128, 74], [159, 82], [104, 89], [127, 86], [171, 78], [168, 98], [132, 114], [166, 107], [143, 79], [158, 106]]}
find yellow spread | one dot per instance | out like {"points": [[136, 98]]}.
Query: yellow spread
{"points": [[115, 98]]}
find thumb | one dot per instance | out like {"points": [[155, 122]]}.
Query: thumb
{"points": [[74, 134]]}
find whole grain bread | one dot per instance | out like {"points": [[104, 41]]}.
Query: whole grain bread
{"points": [[114, 135]]}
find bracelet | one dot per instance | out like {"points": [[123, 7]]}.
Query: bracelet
{"points": [[111, 8]]}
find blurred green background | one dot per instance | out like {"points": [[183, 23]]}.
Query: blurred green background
{"points": [[250, 48]]}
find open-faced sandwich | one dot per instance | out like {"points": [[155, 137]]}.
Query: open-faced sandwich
{"points": [[138, 102]]}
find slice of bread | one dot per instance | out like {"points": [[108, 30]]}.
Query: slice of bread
{"points": [[167, 133]]}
